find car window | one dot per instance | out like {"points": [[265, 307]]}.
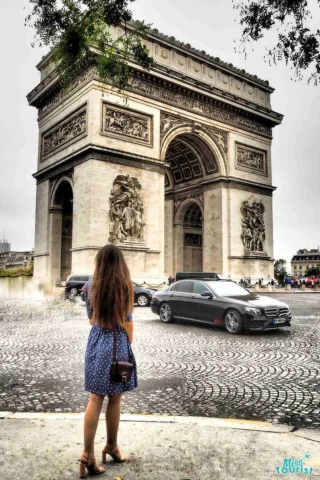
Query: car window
{"points": [[199, 288], [228, 288], [184, 287]]}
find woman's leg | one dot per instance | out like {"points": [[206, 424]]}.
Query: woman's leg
{"points": [[113, 419], [91, 420]]}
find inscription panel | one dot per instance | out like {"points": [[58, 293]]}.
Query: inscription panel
{"points": [[64, 133], [251, 160], [123, 123]]}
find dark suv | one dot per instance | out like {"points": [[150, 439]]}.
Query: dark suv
{"points": [[75, 283]]}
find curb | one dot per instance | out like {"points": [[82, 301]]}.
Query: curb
{"points": [[226, 423]]}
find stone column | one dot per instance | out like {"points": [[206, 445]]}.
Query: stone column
{"points": [[55, 238], [215, 231], [41, 257], [169, 268], [178, 248]]}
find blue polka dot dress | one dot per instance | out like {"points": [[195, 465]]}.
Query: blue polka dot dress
{"points": [[99, 355]]}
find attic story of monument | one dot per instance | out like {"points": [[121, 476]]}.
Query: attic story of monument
{"points": [[179, 175]]}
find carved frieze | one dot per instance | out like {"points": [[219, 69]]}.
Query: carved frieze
{"points": [[127, 124], [64, 133], [253, 228], [251, 159], [126, 210], [64, 92], [215, 110]]}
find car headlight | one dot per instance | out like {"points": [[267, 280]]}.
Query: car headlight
{"points": [[253, 311]]}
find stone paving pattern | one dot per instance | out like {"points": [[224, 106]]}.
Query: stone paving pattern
{"points": [[183, 368]]}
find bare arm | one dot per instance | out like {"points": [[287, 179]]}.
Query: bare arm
{"points": [[128, 326]]}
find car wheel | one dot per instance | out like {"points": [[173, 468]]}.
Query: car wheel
{"points": [[233, 322], [74, 291], [143, 300], [165, 313]]}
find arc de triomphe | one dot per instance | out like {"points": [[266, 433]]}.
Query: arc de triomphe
{"points": [[178, 174]]}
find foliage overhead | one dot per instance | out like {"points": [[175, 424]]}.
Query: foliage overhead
{"points": [[297, 43], [280, 269], [78, 31]]}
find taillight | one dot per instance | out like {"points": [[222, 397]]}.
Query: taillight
{"points": [[67, 283]]}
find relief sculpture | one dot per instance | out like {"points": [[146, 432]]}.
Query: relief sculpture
{"points": [[126, 210], [252, 160], [64, 133], [120, 123], [253, 228]]}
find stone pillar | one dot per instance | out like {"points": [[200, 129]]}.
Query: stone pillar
{"points": [[41, 253], [93, 184], [178, 248], [215, 231], [55, 238], [169, 268]]}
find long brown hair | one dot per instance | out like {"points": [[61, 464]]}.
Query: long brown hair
{"points": [[111, 293]]}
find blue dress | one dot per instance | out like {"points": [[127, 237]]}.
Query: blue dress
{"points": [[98, 358]]}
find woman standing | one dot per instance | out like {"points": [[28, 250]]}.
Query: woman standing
{"points": [[109, 300]]}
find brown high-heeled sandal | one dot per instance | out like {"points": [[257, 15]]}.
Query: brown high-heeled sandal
{"points": [[88, 462], [114, 453]]}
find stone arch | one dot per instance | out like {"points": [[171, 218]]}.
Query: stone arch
{"points": [[197, 132], [188, 227], [183, 207], [61, 229], [56, 188]]}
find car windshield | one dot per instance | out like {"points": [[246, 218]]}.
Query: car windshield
{"points": [[227, 289]]}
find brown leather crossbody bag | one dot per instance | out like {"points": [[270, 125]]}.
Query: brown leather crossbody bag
{"points": [[120, 371]]}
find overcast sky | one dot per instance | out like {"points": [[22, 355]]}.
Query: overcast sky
{"points": [[208, 25]]}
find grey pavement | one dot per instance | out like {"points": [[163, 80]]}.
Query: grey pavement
{"points": [[48, 448], [184, 369]]}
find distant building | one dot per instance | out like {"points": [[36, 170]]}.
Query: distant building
{"points": [[5, 246], [12, 260], [303, 260]]}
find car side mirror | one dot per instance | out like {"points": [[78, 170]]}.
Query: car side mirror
{"points": [[207, 294]]}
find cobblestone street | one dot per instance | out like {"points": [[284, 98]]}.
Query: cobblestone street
{"points": [[184, 369]]}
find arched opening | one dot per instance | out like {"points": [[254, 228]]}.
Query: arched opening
{"points": [[62, 223], [190, 162], [192, 239]]}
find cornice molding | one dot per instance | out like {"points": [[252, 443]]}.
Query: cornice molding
{"points": [[54, 95], [95, 153], [222, 182]]}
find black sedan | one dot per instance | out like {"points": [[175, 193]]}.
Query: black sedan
{"points": [[142, 296], [220, 302]]}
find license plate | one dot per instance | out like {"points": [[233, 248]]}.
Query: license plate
{"points": [[278, 320]]}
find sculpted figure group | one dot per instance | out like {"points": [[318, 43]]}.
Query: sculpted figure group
{"points": [[126, 210], [253, 228], [122, 123]]}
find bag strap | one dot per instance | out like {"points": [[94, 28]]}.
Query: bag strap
{"points": [[114, 359]]}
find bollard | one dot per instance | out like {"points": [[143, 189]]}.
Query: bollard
{"points": [[270, 289]]}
